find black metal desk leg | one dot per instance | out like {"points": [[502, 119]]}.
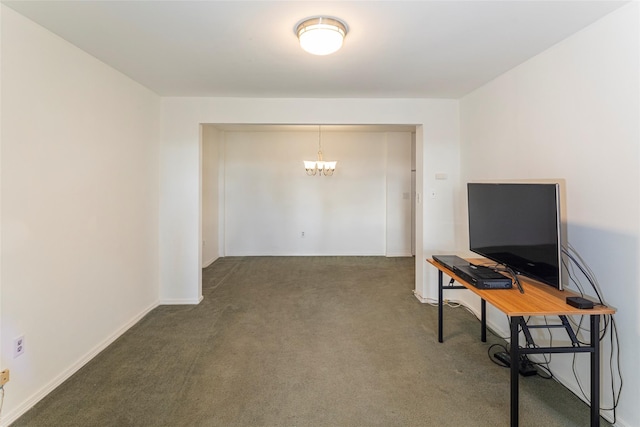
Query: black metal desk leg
{"points": [[514, 353], [483, 320], [595, 370], [440, 305]]}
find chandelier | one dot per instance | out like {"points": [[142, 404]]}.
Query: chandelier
{"points": [[319, 167]]}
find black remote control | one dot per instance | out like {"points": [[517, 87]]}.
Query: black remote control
{"points": [[580, 302]]}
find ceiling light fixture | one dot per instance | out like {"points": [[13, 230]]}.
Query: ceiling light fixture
{"points": [[325, 168], [321, 35]]}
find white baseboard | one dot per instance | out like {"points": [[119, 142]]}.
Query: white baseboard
{"points": [[181, 301], [16, 413], [421, 298], [206, 264], [398, 254]]}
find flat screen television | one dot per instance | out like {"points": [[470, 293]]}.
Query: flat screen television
{"points": [[518, 225]]}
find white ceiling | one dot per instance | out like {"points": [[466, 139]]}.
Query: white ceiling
{"points": [[394, 49]]}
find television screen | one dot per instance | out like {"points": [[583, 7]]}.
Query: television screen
{"points": [[518, 225]]}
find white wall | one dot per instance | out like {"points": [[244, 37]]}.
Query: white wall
{"points": [[398, 194], [270, 201], [572, 112], [79, 217], [81, 231], [212, 168], [437, 132]]}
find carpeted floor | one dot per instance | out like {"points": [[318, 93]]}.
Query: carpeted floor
{"points": [[302, 341]]}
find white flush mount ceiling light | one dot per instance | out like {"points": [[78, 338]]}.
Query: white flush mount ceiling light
{"points": [[321, 35]]}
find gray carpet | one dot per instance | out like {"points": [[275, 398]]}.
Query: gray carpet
{"points": [[302, 341]]}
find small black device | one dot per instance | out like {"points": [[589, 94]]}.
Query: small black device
{"points": [[579, 302], [482, 277], [526, 368]]}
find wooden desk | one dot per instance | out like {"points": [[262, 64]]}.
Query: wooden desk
{"points": [[538, 300]]}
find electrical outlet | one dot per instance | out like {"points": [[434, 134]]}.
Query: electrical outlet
{"points": [[302, 234], [18, 346], [4, 377]]}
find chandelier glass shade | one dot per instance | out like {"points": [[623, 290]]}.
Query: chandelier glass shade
{"points": [[319, 167], [321, 35]]}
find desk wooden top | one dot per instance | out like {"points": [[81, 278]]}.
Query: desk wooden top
{"points": [[538, 299]]}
